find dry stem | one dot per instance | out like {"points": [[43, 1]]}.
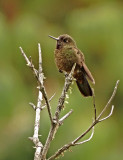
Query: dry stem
{"points": [[55, 126], [39, 78], [56, 121], [75, 142]]}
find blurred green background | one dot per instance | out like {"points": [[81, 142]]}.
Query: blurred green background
{"points": [[97, 27]]}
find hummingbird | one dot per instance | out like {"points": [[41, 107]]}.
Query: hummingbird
{"points": [[66, 55]]}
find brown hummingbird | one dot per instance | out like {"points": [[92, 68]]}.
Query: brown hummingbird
{"points": [[66, 55]]}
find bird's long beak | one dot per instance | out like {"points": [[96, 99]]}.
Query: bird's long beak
{"points": [[53, 37]]}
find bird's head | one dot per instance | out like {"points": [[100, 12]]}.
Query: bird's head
{"points": [[64, 41]]}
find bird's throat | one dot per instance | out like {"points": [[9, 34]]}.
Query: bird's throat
{"points": [[58, 45]]}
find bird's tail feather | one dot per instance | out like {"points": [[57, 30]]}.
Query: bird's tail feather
{"points": [[84, 87]]}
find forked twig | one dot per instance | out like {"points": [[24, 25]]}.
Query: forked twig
{"points": [[75, 142], [87, 140], [42, 93], [48, 100], [39, 77], [43, 106], [55, 126], [110, 100], [62, 150], [112, 109]]}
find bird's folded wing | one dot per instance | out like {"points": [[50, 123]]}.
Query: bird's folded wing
{"points": [[88, 73], [81, 63]]}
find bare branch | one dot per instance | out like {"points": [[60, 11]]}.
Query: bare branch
{"points": [[48, 100], [40, 59], [74, 142], [39, 77], [110, 100], [40, 98], [108, 115], [25, 57], [32, 105], [68, 81], [83, 134], [65, 116], [56, 121], [55, 126], [67, 146], [61, 151], [29, 63], [42, 107], [42, 88], [95, 111], [38, 151], [87, 140], [36, 141]]}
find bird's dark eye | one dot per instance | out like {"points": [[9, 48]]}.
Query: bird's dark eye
{"points": [[65, 40]]}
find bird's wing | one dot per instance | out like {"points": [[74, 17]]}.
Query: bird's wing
{"points": [[81, 63], [88, 73]]}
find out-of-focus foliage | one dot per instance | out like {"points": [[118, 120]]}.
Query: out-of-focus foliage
{"points": [[97, 27]]}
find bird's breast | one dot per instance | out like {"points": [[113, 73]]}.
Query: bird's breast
{"points": [[64, 60]]}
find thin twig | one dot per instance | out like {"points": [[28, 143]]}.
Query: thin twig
{"points": [[95, 111], [48, 100], [42, 107], [111, 112], [32, 105], [67, 146], [29, 63], [40, 59], [25, 57], [75, 142], [87, 140], [83, 134], [110, 100], [65, 116]]}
